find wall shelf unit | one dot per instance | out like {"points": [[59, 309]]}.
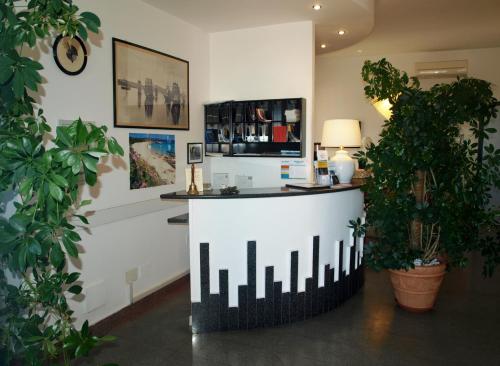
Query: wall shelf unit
{"points": [[256, 128]]}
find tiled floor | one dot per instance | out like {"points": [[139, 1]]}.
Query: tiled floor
{"points": [[368, 329]]}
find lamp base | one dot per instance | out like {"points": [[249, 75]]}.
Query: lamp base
{"points": [[343, 165]]}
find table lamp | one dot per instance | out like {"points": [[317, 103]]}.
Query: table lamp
{"points": [[342, 133]]}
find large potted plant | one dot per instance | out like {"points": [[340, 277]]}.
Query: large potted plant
{"points": [[44, 172], [428, 195]]}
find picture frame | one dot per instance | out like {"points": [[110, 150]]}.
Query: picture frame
{"points": [[70, 54], [150, 88], [195, 152], [152, 160]]}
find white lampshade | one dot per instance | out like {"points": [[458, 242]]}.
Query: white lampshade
{"points": [[341, 132]]}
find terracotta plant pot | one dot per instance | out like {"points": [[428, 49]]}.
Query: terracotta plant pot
{"points": [[417, 289]]}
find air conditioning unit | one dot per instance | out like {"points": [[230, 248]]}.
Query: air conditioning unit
{"points": [[441, 69]]}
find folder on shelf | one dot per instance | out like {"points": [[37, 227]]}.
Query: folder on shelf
{"points": [[279, 134]]}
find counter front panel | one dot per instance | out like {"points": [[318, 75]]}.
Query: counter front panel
{"points": [[258, 262]]}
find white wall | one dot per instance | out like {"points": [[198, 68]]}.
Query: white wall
{"points": [[159, 252], [339, 87], [90, 94], [266, 62], [129, 229]]}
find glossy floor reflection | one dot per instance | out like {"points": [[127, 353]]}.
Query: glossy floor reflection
{"points": [[367, 330]]}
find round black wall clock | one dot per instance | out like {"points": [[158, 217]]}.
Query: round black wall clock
{"points": [[70, 54]]}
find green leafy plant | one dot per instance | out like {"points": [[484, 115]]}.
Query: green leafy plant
{"points": [[358, 228], [45, 173], [429, 192]]}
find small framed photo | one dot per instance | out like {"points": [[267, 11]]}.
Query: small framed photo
{"points": [[194, 152]]}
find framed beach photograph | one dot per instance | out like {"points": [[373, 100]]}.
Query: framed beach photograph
{"points": [[152, 160], [195, 152], [150, 88]]}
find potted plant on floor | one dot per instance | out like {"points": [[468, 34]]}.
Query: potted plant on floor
{"points": [[36, 241], [428, 196]]}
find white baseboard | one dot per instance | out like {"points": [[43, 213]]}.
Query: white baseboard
{"points": [[159, 286]]}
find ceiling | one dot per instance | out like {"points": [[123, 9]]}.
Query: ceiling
{"points": [[356, 16], [431, 25], [373, 26]]}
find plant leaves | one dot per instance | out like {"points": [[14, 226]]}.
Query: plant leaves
{"points": [[56, 192], [19, 222], [90, 162], [91, 17], [72, 277], [6, 70], [82, 219], [90, 177], [75, 289], [63, 136], [59, 180], [82, 32], [97, 153], [34, 246], [57, 258], [18, 84], [70, 247], [25, 186]]}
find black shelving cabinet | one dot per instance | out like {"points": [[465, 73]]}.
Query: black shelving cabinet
{"points": [[256, 128]]}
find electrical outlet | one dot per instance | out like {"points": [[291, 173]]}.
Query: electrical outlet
{"points": [[132, 275]]}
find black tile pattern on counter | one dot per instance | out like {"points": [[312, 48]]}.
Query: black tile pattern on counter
{"points": [[277, 307]]}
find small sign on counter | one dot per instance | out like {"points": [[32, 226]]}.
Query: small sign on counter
{"points": [[293, 169]]}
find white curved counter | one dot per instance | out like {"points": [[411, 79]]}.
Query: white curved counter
{"points": [[268, 257]]}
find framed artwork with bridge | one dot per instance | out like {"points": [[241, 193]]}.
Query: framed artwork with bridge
{"points": [[150, 88]]}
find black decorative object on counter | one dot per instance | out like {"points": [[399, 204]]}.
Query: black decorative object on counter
{"points": [[229, 191], [258, 128], [277, 307]]}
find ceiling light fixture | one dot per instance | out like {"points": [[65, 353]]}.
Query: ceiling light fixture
{"points": [[316, 6], [323, 45], [341, 32]]}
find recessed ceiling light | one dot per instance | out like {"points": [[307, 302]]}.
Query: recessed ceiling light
{"points": [[341, 32], [323, 45], [316, 6]]}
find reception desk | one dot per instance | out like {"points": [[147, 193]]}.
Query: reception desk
{"points": [[271, 256]]}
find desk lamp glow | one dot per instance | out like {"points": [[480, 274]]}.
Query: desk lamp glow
{"points": [[342, 133], [383, 107]]}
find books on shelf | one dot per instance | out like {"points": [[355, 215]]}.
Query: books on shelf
{"points": [[266, 127], [290, 153], [279, 134]]}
